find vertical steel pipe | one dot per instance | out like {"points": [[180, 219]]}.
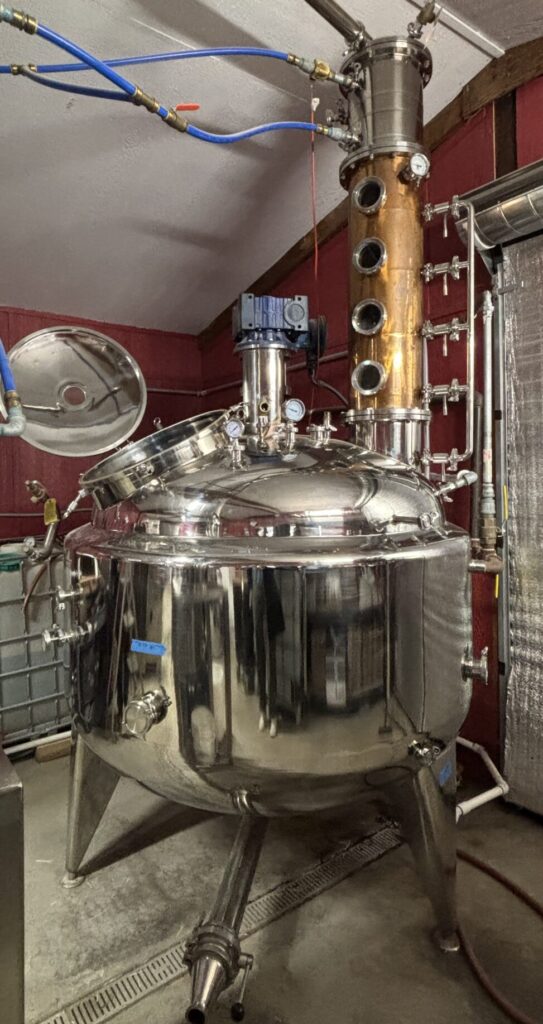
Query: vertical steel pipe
{"points": [[264, 383], [488, 494], [475, 511], [470, 341]]}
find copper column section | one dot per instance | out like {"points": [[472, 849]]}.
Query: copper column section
{"points": [[391, 240]]}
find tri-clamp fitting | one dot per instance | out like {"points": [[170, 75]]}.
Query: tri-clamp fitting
{"points": [[475, 668], [425, 751], [57, 635], [143, 712]]}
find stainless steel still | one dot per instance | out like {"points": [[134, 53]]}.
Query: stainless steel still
{"points": [[265, 622], [274, 636]]}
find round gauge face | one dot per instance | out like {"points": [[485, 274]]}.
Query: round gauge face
{"points": [[234, 428], [419, 164], [294, 410]]}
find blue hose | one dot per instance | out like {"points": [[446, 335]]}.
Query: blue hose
{"points": [[87, 58], [259, 129], [155, 58], [79, 90], [6, 373], [6, 14]]}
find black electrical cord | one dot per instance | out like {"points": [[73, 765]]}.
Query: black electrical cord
{"points": [[329, 387], [471, 957]]}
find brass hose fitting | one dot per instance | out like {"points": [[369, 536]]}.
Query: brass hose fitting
{"points": [[22, 69], [22, 21], [172, 118], [12, 400], [142, 99], [320, 70]]}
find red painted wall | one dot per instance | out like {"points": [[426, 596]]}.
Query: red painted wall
{"points": [[530, 122], [170, 361]]}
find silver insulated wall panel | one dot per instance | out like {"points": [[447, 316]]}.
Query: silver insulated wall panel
{"points": [[523, 314]]}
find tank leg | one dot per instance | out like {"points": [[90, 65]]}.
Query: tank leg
{"points": [[212, 952], [92, 783], [427, 816]]}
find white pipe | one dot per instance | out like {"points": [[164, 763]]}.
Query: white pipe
{"points": [[42, 741], [500, 789]]}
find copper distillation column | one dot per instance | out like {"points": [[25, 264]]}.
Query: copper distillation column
{"points": [[383, 177]]}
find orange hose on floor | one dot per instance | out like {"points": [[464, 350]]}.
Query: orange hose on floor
{"points": [[476, 966]]}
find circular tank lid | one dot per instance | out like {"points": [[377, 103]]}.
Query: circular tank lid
{"points": [[82, 393]]}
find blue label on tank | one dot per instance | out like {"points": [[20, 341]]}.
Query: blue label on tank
{"points": [[445, 773], [146, 647]]}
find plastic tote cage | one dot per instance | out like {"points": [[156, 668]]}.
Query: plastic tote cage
{"points": [[33, 682]]}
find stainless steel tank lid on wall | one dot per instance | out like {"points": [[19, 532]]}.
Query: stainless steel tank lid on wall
{"points": [[82, 392]]}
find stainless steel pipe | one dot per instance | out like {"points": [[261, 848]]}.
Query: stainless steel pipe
{"points": [[238, 877], [470, 355], [488, 525], [213, 952], [351, 29]]}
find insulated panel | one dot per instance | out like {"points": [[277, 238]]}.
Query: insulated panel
{"points": [[523, 304]]}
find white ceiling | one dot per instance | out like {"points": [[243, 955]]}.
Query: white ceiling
{"points": [[108, 214]]}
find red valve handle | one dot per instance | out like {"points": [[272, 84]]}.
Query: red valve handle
{"points": [[187, 106]]}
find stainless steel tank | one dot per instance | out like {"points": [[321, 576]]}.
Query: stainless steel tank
{"points": [[271, 634], [271, 623]]}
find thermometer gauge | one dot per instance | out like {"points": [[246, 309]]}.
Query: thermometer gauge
{"points": [[293, 410], [234, 428], [418, 167]]}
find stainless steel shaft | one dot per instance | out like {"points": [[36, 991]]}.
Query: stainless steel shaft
{"points": [[350, 28], [213, 952], [238, 877]]}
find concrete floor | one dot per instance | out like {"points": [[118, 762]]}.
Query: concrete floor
{"points": [[360, 953]]}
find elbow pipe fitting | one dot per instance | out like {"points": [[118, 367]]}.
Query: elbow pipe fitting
{"points": [[16, 421], [465, 478]]}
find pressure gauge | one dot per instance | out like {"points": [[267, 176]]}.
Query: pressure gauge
{"points": [[234, 428], [417, 168], [293, 410]]}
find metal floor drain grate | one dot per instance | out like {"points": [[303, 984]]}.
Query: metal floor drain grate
{"points": [[106, 1002]]}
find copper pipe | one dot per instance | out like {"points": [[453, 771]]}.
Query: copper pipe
{"points": [[397, 285]]}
